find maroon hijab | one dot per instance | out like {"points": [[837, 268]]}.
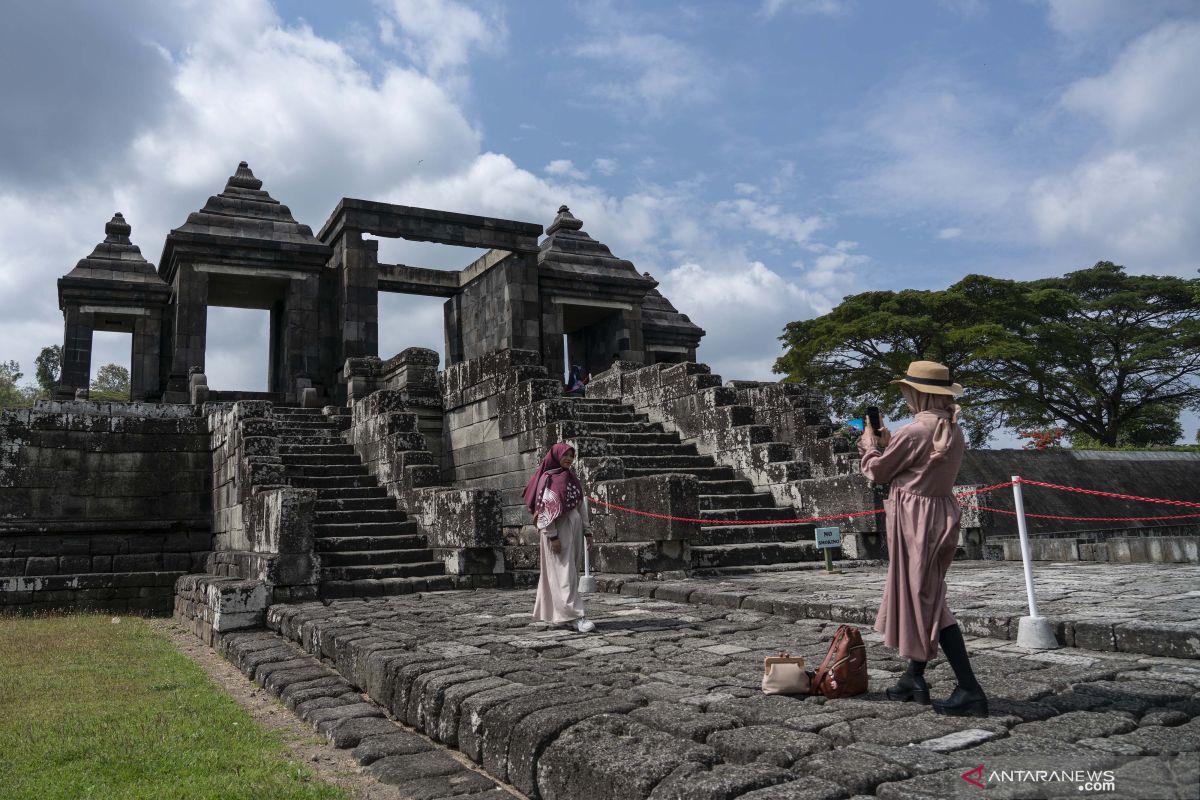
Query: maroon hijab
{"points": [[561, 481]]}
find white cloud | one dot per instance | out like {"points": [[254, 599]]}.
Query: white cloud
{"points": [[833, 270], [743, 306], [649, 71], [950, 233], [829, 8], [770, 219], [605, 166], [563, 168], [440, 35], [1134, 199], [1086, 19], [1151, 92]]}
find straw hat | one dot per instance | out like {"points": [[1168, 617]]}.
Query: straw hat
{"points": [[930, 377]]}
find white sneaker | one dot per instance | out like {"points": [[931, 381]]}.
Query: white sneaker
{"points": [[584, 625]]}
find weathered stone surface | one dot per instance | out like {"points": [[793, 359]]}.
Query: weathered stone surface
{"points": [[769, 744], [804, 789], [1076, 725], [684, 721], [350, 732], [613, 758], [722, 782], [401, 769], [857, 771], [398, 742]]}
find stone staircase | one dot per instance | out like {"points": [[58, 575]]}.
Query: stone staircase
{"points": [[367, 545], [647, 449]]}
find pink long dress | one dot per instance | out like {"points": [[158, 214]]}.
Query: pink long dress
{"points": [[922, 534]]}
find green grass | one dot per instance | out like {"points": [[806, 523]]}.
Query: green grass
{"points": [[93, 709]]}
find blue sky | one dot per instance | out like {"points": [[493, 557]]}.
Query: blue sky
{"points": [[761, 159]]}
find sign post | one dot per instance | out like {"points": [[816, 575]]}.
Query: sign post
{"points": [[827, 539]]}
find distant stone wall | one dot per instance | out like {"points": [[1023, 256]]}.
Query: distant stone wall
{"points": [[498, 310], [1170, 475], [102, 505]]}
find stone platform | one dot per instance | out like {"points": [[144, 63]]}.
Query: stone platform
{"points": [[663, 701], [1151, 609]]}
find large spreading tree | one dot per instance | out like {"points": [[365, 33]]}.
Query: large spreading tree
{"points": [[1111, 357]]}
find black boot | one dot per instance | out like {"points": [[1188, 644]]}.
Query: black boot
{"points": [[968, 699], [912, 686]]}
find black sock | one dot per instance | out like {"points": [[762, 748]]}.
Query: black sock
{"points": [[951, 640], [916, 668]]}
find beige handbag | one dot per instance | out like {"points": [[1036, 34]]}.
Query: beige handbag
{"points": [[784, 674]]}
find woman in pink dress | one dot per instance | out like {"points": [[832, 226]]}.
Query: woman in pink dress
{"points": [[555, 497], [921, 463]]}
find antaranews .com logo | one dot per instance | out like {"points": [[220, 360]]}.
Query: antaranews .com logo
{"points": [[1085, 780]]}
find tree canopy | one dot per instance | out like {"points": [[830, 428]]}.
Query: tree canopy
{"points": [[48, 366], [1110, 356], [110, 383]]}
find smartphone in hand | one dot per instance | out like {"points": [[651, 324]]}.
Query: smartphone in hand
{"points": [[873, 419]]}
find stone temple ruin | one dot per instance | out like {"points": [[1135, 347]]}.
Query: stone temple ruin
{"points": [[355, 475]]}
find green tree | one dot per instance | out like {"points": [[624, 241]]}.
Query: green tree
{"points": [[10, 393], [1106, 354], [111, 383], [48, 367]]}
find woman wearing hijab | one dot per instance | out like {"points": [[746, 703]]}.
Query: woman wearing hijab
{"points": [[555, 497], [921, 463]]}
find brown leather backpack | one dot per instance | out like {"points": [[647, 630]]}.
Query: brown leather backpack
{"points": [[843, 671]]}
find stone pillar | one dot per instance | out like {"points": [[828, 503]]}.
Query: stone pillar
{"points": [[77, 353], [145, 359], [359, 290], [300, 339], [190, 330]]}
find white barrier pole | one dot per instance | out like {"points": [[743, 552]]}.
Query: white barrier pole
{"points": [[1033, 632], [1023, 531]]}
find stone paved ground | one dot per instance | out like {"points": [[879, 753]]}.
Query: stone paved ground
{"points": [[1140, 608], [663, 701]]}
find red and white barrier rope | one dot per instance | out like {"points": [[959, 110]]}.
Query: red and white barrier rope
{"points": [[961, 494]]}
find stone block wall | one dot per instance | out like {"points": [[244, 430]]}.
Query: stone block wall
{"points": [[753, 428], [102, 505], [461, 525], [502, 414], [245, 454], [262, 527]]}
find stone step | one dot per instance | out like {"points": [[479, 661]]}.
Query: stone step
{"points": [[324, 448], [704, 474], [327, 504], [348, 482], [368, 587], [752, 500], [374, 492], [756, 569], [417, 568], [367, 558], [651, 449], [642, 438], [750, 534], [755, 553], [607, 416], [326, 470], [604, 429], [320, 459], [361, 515], [305, 427], [316, 436], [336, 544], [726, 486], [748, 514], [403, 528], [599, 402], [669, 463]]}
